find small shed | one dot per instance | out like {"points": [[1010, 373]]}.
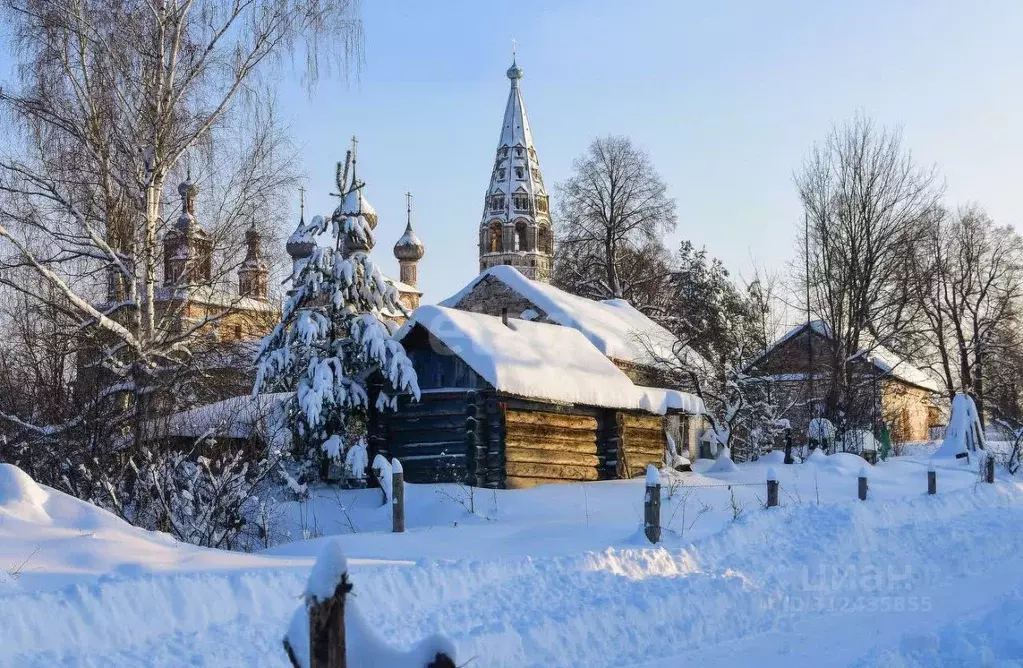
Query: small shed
{"points": [[513, 403]]}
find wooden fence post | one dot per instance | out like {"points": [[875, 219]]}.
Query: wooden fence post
{"points": [[863, 483], [652, 505], [788, 447], [325, 607], [397, 497], [772, 488], [989, 468], [932, 480]]}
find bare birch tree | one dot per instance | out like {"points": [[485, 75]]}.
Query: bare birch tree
{"points": [[115, 99], [867, 204], [969, 282]]}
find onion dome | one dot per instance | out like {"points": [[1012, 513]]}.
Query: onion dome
{"points": [[355, 204], [409, 248], [188, 191], [515, 72]]}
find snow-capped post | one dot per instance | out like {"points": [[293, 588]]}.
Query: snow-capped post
{"points": [[989, 468], [863, 483], [316, 636], [932, 480], [788, 446], [397, 497], [772, 488], [652, 505]]}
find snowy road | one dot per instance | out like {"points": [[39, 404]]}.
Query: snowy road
{"points": [[925, 581]]}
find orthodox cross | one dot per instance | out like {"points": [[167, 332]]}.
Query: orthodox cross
{"points": [[408, 207], [301, 203]]}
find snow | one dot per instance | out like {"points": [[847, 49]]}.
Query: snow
{"points": [[723, 463], [963, 429], [618, 330], [236, 417], [327, 571], [384, 475], [653, 478], [551, 576], [821, 429], [541, 361]]}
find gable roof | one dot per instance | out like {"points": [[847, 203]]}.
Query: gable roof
{"points": [[541, 361], [879, 356], [614, 327]]}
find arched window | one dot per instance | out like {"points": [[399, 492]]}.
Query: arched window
{"points": [[495, 236], [521, 236], [544, 240]]}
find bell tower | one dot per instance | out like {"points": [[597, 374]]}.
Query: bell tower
{"points": [[515, 228]]}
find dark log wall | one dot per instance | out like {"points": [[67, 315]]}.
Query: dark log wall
{"points": [[431, 437]]}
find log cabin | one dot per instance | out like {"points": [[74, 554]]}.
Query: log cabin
{"points": [[509, 403]]}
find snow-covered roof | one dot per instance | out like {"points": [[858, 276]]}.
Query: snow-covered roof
{"points": [[541, 361], [237, 417], [881, 357], [213, 296], [615, 327]]}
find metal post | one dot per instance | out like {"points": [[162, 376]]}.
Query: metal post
{"points": [[863, 484], [932, 481]]}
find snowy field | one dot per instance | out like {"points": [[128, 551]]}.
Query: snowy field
{"points": [[552, 576]]}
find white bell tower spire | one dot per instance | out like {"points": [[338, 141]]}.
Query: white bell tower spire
{"points": [[516, 225]]}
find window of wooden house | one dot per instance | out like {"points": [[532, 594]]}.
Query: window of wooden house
{"points": [[238, 331]]}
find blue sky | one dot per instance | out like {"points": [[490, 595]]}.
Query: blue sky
{"points": [[727, 97]]}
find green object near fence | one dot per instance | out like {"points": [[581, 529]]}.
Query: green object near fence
{"points": [[886, 442]]}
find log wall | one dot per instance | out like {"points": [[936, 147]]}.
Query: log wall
{"points": [[643, 442], [436, 437], [546, 447]]}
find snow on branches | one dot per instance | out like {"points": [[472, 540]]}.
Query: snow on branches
{"points": [[333, 346]]}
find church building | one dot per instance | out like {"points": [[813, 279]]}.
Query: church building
{"points": [[516, 225]]}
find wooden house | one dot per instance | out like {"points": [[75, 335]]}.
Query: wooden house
{"points": [[886, 389], [505, 402], [632, 341]]}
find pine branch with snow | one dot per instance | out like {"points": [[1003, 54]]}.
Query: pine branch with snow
{"points": [[333, 346]]}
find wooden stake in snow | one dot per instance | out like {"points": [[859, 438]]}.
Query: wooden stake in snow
{"points": [[863, 483], [324, 612], [772, 488], [652, 505], [397, 497], [932, 480], [788, 447], [989, 468]]}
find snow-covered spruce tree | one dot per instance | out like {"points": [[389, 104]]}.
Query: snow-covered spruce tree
{"points": [[333, 346]]}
